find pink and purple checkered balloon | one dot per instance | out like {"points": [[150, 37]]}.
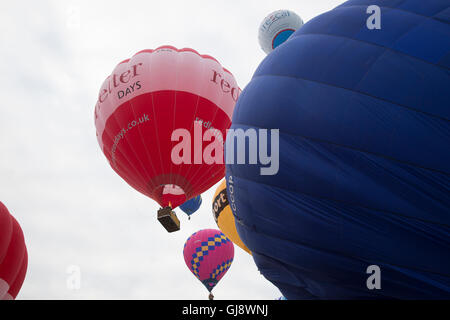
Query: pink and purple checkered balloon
{"points": [[208, 254]]}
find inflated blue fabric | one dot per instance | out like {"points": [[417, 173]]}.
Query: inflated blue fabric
{"points": [[192, 205], [364, 174]]}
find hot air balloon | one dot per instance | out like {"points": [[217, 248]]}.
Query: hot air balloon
{"points": [[13, 256], [360, 205], [224, 216], [208, 254], [276, 28], [156, 102], [192, 205]]}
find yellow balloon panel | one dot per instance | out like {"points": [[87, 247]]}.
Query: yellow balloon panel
{"points": [[224, 216]]}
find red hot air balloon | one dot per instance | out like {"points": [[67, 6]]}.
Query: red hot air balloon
{"points": [[208, 254], [143, 102], [13, 256]]}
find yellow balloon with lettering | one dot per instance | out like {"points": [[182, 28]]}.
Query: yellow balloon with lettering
{"points": [[224, 216]]}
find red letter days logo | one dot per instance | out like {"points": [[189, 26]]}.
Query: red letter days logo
{"points": [[225, 85], [116, 80], [119, 81]]}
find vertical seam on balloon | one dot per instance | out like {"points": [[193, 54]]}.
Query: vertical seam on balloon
{"points": [[7, 250], [15, 282], [123, 169], [10, 234], [143, 143], [202, 185], [102, 118], [199, 94], [118, 149], [114, 116], [205, 172], [19, 241], [140, 136], [177, 70], [211, 166], [156, 132]]}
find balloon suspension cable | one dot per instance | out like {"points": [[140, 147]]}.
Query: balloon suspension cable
{"points": [[211, 296]]}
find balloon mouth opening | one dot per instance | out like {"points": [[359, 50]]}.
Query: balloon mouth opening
{"points": [[210, 284], [172, 195]]}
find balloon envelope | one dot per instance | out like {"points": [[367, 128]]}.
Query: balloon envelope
{"points": [[224, 216], [192, 205], [276, 28], [13, 256], [208, 254], [364, 161], [155, 102]]}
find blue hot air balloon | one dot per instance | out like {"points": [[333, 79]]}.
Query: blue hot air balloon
{"points": [[192, 205], [360, 204]]}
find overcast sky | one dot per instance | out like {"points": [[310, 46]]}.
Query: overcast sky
{"points": [[73, 208]]}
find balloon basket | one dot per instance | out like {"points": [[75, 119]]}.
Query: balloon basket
{"points": [[168, 219]]}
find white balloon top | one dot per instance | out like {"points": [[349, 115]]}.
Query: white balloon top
{"points": [[277, 27]]}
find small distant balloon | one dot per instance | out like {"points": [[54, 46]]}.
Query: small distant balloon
{"points": [[276, 28], [192, 205], [208, 254]]}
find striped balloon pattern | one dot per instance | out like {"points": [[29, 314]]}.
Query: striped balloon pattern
{"points": [[144, 103], [13, 255], [208, 254]]}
